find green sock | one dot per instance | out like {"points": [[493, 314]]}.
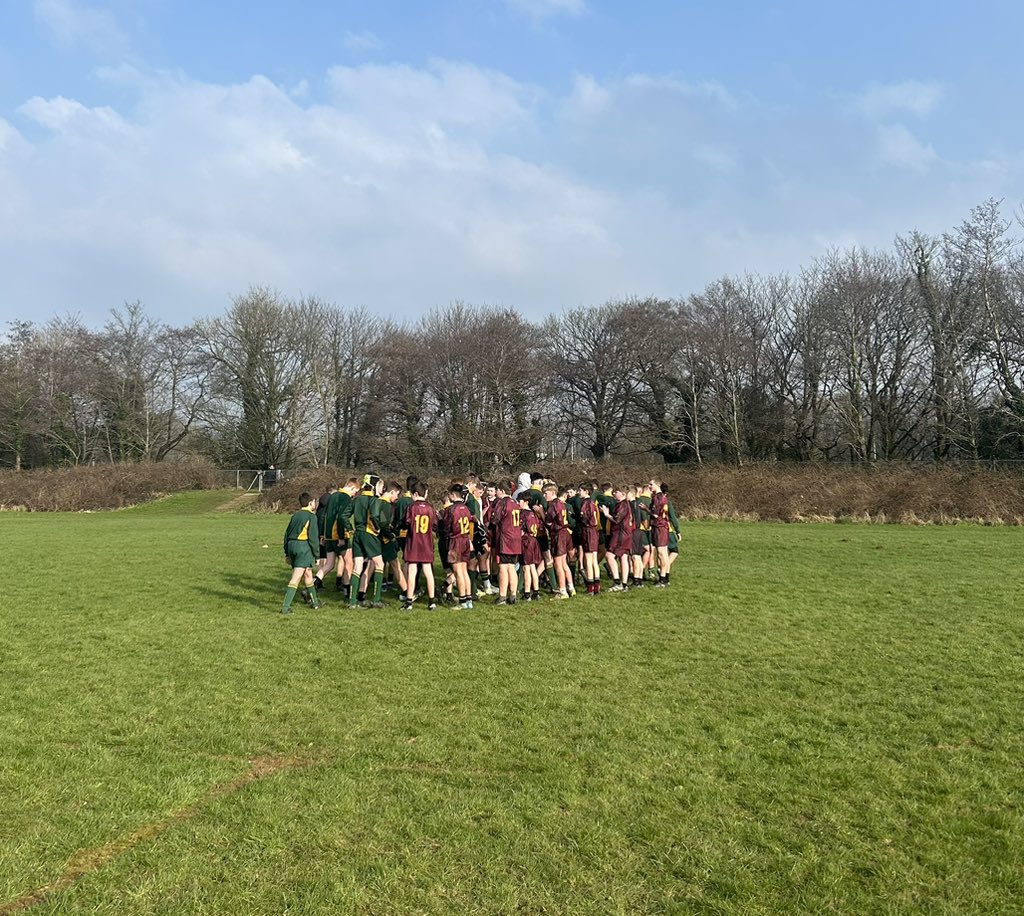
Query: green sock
{"points": [[552, 580], [378, 582], [289, 597], [353, 594]]}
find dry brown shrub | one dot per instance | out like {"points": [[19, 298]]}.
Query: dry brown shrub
{"points": [[791, 493], [109, 486]]}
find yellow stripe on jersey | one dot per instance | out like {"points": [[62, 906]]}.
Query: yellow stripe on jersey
{"points": [[304, 533]]}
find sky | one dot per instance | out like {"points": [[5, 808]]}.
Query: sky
{"points": [[532, 154]]}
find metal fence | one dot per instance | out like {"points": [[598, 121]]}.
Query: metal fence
{"points": [[251, 479]]}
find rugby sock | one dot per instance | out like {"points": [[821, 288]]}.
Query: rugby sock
{"points": [[289, 597], [378, 582], [359, 597], [552, 578]]}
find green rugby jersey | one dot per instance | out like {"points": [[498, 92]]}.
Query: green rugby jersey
{"points": [[302, 527]]}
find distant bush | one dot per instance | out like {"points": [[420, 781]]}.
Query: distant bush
{"points": [[789, 493], [110, 486]]}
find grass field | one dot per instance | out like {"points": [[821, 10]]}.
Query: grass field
{"points": [[813, 718]]}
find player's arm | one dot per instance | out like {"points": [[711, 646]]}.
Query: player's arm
{"points": [[346, 517], [673, 518], [383, 516]]}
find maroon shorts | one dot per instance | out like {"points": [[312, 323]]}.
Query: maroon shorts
{"points": [[460, 551], [589, 540], [620, 544], [419, 553], [531, 552], [659, 537], [561, 542]]}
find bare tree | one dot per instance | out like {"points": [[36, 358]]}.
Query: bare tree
{"points": [[261, 379], [596, 372]]}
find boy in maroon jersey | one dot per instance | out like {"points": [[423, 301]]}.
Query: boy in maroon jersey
{"points": [[420, 523], [506, 517], [460, 543], [560, 538], [442, 547], [659, 530], [620, 542], [533, 558], [640, 506], [587, 532], [489, 562]]}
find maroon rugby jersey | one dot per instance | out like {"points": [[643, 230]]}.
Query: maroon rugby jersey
{"points": [[460, 529], [589, 514], [622, 517], [507, 520], [659, 511], [556, 518], [421, 522]]}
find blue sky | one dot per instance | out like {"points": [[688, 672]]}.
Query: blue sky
{"points": [[539, 154]]}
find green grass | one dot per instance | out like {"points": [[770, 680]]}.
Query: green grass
{"points": [[812, 719]]}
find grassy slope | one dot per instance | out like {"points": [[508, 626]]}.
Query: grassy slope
{"points": [[812, 717]]}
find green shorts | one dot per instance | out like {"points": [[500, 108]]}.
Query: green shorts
{"points": [[366, 545], [300, 555], [389, 550]]}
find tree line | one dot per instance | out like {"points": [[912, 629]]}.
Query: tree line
{"points": [[914, 353]]}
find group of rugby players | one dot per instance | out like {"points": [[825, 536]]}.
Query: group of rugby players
{"points": [[516, 534]]}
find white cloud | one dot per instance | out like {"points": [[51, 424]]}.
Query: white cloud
{"points": [[898, 146], [588, 96], [402, 187], [73, 23], [539, 10], [9, 137], [708, 88], [392, 194], [447, 94], [362, 41], [715, 158], [910, 97], [69, 116]]}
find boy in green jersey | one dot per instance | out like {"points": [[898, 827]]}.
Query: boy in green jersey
{"points": [[338, 535], [300, 538], [674, 534], [371, 515], [389, 540]]}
